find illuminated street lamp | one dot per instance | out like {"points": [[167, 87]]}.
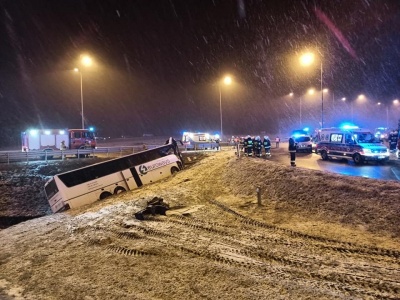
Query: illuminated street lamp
{"points": [[395, 102], [351, 108], [305, 60], [227, 81], [291, 95], [86, 61]]}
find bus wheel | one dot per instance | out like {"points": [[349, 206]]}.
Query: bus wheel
{"points": [[119, 189], [174, 170], [104, 195]]}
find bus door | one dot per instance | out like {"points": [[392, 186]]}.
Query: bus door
{"points": [[131, 178]]}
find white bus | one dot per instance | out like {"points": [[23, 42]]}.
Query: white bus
{"points": [[99, 181]]}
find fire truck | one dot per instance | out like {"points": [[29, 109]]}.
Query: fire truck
{"points": [[57, 139]]}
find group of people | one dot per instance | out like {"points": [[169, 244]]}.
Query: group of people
{"points": [[254, 146]]}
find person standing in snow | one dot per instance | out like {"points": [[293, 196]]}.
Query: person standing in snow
{"points": [[292, 151], [277, 140], [249, 146], [267, 146], [257, 146]]}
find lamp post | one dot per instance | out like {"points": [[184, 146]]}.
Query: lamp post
{"points": [[387, 114], [291, 95], [395, 102], [322, 101], [351, 108], [86, 61], [227, 81], [307, 59], [83, 119]]}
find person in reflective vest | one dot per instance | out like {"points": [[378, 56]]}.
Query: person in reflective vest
{"points": [[63, 146], [249, 146], [292, 151], [267, 146], [257, 146], [277, 140]]}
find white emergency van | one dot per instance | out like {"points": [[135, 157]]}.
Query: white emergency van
{"points": [[355, 144], [200, 141]]}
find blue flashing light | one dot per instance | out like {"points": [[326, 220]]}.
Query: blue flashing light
{"points": [[91, 129], [33, 132], [306, 129], [348, 126]]}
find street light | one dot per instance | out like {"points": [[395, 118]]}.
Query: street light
{"points": [[291, 95], [227, 81], [86, 61], [395, 102], [305, 60], [351, 108], [387, 114]]}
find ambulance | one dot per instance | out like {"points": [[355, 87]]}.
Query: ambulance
{"points": [[200, 141], [351, 143]]}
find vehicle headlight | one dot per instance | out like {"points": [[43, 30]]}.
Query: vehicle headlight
{"points": [[367, 151]]}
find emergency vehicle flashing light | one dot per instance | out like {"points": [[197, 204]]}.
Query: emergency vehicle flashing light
{"points": [[349, 126]]}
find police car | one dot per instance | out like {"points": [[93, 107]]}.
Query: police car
{"points": [[355, 144], [303, 143]]}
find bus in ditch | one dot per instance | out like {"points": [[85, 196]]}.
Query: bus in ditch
{"points": [[98, 181]]}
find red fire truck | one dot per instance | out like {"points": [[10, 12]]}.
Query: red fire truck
{"points": [[57, 139]]}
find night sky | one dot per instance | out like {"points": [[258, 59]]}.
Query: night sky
{"points": [[158, 64]]}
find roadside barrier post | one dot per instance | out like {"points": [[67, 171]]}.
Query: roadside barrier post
{"points": [[258, 190], [238, 150]]}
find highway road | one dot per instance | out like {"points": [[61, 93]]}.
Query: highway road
{"points": [[387, 171]]}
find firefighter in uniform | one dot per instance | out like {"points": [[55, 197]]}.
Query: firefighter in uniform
{"points": [[267, 146], [257, 146], [63, 146], [292, 151], [245, 146], [249, 146]]}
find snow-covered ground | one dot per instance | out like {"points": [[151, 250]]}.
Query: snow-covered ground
{"points": [[314, 235]]}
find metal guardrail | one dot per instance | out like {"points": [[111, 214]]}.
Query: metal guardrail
{"points": [[18, 156], [14, 156]]}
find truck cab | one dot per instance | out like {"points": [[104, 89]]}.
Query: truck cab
{"points": [[81, 138], [355, 144]]}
